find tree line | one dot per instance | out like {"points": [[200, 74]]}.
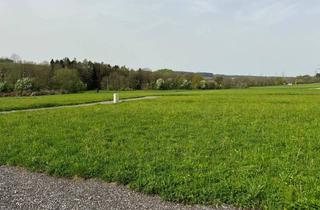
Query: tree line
{"points": [[68, 76]]}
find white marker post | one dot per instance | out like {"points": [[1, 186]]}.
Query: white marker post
{"points": [[115, 98]]}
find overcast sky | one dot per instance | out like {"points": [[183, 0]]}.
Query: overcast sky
{"points": [[257, 37]]}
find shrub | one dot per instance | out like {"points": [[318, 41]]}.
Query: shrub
{"points": [[186, 84], [160, 84], [23, 84], [67, 80], [4, 87], [203, 84], [212, 85]]}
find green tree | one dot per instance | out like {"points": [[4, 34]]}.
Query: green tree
{"points": [[195, 80], [219, 81], [67, 80], [212, 84]]}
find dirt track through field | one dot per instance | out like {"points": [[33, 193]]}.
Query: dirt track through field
{"points": [[78, 105], [20, 189]]}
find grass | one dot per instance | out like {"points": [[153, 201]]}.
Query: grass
{"points": [[18, 103], [249, 148]]}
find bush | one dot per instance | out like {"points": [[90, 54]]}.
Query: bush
{"points": [[186, 84], [67, 80], [24, 84], [4, 87], [203, 84], [212, 85], [160, 84]]}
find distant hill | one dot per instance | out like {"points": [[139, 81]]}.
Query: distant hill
{"points": [[203, 74], [208, 75]]}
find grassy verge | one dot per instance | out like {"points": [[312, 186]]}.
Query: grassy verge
{"points": [[18, 103]]}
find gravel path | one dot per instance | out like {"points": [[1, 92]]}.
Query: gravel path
{"points": [[20, 189], [78, 105]]}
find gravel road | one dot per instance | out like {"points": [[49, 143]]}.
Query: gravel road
{"points": [[20, 189]]}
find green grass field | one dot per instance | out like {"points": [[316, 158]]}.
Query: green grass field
{"points": [[257, 147], [16, 103]]}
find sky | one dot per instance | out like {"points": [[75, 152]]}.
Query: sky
{"points": [[251, 37]]}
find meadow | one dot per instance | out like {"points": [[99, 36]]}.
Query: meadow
{"points": [[31, 102], [256, 147]]}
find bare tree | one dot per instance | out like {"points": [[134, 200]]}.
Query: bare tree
{"points": [[16, 58]]}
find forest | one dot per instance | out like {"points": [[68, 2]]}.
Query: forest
{"points": [[71, 76]]}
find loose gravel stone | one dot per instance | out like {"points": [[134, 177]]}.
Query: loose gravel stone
{"points": [[20, 189]]}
